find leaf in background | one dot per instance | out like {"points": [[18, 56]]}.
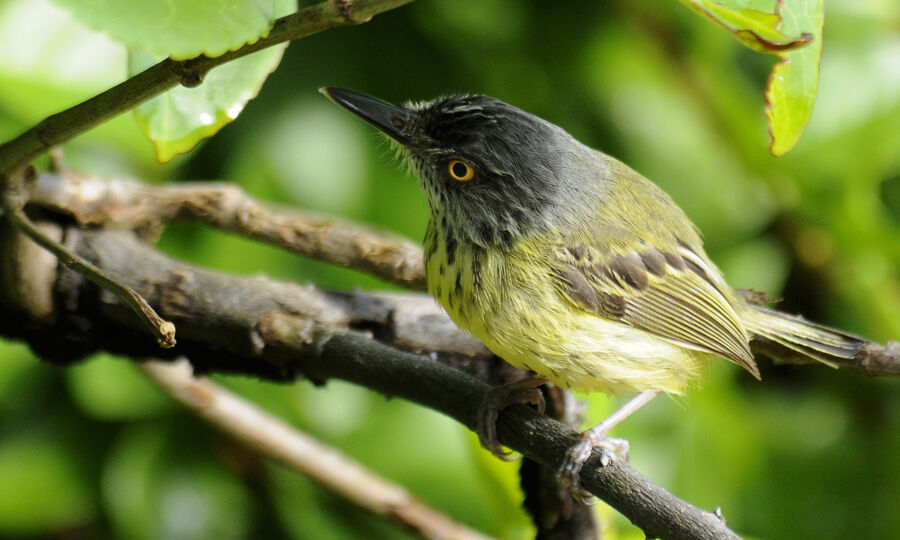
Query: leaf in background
{"points": [[43, 489], [180, 118], [752, 27], [111, 389], [178, 28], [48, 59], [792, 87], [160, 482], [793, 32]]}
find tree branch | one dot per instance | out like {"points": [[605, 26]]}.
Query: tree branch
{"points": [[280, 331], [131, 204], [163, 330], [66, 125], [15, 191], [325, 465]]}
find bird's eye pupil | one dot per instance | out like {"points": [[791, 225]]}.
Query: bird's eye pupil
{"points": [[460, 170]]}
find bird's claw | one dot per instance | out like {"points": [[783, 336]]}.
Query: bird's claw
{"points": [[577, 456], [486, 428], [496, 399]]}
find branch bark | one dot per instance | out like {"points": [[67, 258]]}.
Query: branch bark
{"points": [[17, 154], [281, 331], [163, 330]]}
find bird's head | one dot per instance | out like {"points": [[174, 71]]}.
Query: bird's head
{"points": [[491, 171]]}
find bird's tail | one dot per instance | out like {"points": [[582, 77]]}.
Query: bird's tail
{"points": [[789, 337]]}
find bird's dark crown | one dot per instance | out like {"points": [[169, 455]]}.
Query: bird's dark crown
{"points": [[462, 121]]}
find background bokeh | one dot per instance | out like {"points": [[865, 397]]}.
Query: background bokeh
{"points": [[95, 451]]}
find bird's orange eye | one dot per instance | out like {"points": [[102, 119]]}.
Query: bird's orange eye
{"points": [[460, 170]]}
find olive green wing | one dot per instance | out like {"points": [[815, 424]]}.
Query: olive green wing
{"points": [[676, 295]]}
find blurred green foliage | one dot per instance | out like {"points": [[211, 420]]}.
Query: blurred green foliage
{"points": [[94, 450], [166, 28], [182, 117]]}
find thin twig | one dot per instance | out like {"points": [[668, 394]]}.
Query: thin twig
{"points": [[161, 328], [66, 125], [325, 465]]}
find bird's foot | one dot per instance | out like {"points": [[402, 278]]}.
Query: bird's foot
{"points": [[498, 398], [596, 437], [577, 456]]}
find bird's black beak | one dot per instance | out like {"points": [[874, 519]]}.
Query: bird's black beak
{"points": [[392, 119]]}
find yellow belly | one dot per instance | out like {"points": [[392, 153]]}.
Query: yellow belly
{"points": [[515, 309]]}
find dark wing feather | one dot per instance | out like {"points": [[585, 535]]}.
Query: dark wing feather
{"points": [[674, 295]]}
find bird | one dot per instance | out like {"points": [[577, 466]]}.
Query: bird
{"points": [[566, 262]]}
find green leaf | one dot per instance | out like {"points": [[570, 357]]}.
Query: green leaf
{"points": [[791, 92], [178, 28], [754, 28], [180, 118]]}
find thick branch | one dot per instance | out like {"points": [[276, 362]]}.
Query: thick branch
{"points": [[278, 331], [66, 125], [163, 330]]}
